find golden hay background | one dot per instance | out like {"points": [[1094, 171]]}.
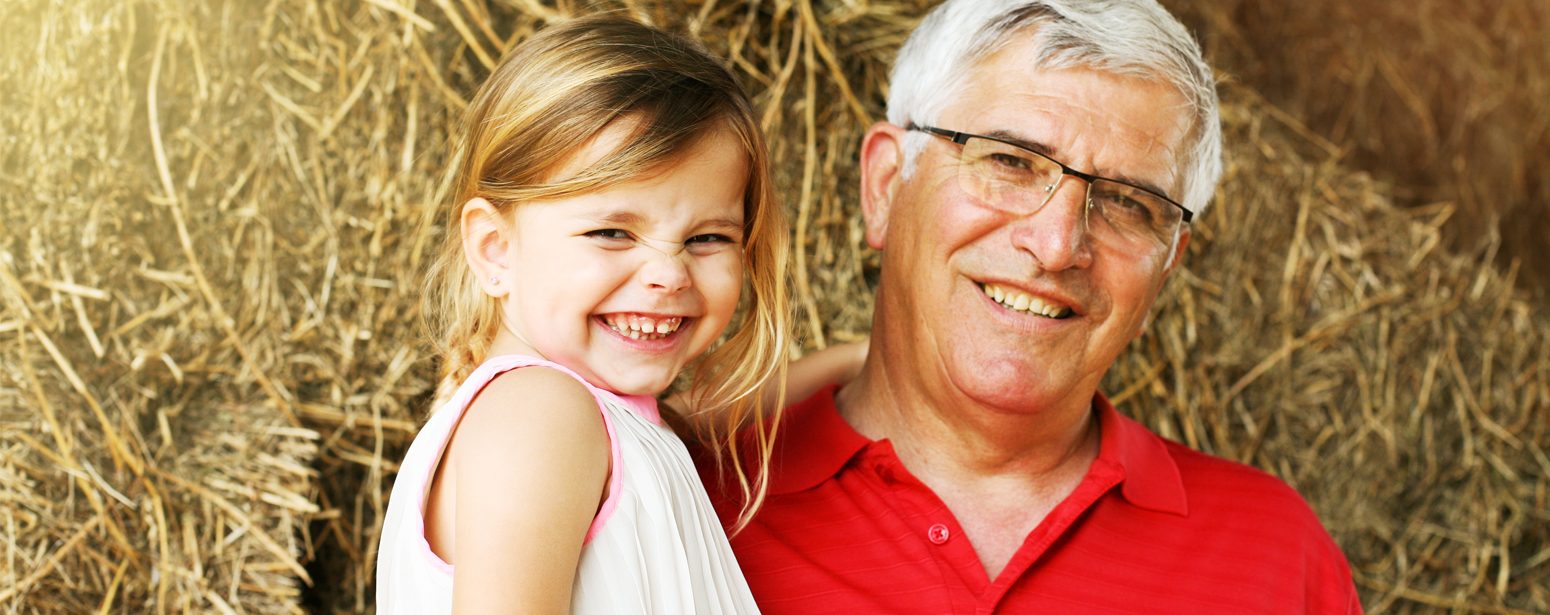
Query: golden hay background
{"points": [[1448, 99], [214, 215]]}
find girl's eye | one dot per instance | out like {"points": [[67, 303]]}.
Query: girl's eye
{"points": [[609, 233], [708, 244], [709, 238]]}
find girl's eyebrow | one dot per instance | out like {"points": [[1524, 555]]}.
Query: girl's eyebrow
{"points": [[725, 225], [629, 219], [620, 218]]}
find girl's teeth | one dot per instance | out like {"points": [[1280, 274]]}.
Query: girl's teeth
{"points": [[642, 327]]}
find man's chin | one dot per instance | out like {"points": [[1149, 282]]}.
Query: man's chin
{"points": [[1020, 391]]}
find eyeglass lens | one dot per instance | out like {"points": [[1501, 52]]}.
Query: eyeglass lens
{"points": [[1019, 181]]}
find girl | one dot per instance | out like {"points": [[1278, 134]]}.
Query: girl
{"points": [[612, 192]]}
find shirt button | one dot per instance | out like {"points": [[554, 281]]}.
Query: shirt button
{"points": [[938, 533]]}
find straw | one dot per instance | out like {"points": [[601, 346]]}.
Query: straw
{"points": [[214, 223]]}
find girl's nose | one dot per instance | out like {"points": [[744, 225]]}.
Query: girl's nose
{"points": [[665, 272]]}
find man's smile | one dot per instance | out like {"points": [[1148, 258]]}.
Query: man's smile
{"points": [[1019, 301]]}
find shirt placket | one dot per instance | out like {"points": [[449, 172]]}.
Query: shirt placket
{"points": [[1100, 478], [934, 525]]}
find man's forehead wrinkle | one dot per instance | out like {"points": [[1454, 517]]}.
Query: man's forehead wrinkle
{"points": [[1157, 147], [1153, 147]]}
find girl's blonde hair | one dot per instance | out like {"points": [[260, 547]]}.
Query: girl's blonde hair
{"points": [[543, 104]]}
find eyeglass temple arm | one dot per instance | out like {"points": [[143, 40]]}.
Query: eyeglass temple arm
{"points": [[951, 135]]}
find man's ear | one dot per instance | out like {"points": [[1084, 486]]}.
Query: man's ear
{"points": [[882, 161], [1173, 261], [486, 238], [1178, 250]]}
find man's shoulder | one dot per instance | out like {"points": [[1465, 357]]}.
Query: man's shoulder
{"points": [[1234, 498], [1166, 476], [1197, 465], [1247, 524], [1211, 478]]}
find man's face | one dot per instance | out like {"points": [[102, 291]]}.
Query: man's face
{"points": [[947, 256]]}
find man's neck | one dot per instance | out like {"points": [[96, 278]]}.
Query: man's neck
{"points": [[999, 471], [949, 430]]}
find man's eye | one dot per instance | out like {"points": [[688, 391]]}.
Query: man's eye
{"points": [[609, 233], [1125, 205], [1010, 161]]}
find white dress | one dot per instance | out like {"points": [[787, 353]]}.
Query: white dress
{"points": [[655, 546]]}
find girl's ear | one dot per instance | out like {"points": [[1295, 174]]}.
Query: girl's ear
{"points": [[486, 239]]}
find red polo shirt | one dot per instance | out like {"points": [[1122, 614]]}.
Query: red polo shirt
{"points": [[1154, 527]]}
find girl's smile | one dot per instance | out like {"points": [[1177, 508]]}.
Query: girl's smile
{"points": [[642, 327], [627, 285]]}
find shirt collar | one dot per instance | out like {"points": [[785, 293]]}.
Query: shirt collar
{"points": [[815, 443], [1151, 478]]}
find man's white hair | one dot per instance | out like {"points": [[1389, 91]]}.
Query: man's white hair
{"points": [[1123, 37]]}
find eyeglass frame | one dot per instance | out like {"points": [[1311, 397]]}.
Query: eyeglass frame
{"points": [[962, 138]]}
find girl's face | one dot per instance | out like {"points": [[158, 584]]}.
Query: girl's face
{"points": [[628, 285]]}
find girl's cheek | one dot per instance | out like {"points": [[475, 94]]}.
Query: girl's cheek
{"points": [[723, 277], [605, 267]]}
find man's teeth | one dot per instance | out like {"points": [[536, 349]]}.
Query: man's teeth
{"points": [[635, 326], [1024, 302]]}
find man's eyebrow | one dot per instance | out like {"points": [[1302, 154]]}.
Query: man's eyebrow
{"points": [[1015, 139], [1041, 148]]}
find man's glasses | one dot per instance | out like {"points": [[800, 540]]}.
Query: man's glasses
{"points": [[1015, 179]]}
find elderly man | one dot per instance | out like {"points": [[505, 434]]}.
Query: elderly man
{"points": [[1030, 194]]}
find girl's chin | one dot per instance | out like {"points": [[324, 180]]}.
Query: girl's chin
{"points": [[619, 377], [630, 387]]}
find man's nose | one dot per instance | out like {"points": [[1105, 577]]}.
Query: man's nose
{"points": [[1056, 233], [666, 271]]}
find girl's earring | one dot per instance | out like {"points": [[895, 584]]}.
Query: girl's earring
{"points": [[495, 280]]}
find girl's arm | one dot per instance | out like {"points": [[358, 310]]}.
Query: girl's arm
{"points": [[532, 459], [838, 364]]}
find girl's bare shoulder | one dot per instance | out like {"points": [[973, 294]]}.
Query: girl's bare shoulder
{"points": [[534, 405]]}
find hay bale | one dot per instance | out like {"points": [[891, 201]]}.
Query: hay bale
{"points": [[1450, 101], [273, 354]]}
